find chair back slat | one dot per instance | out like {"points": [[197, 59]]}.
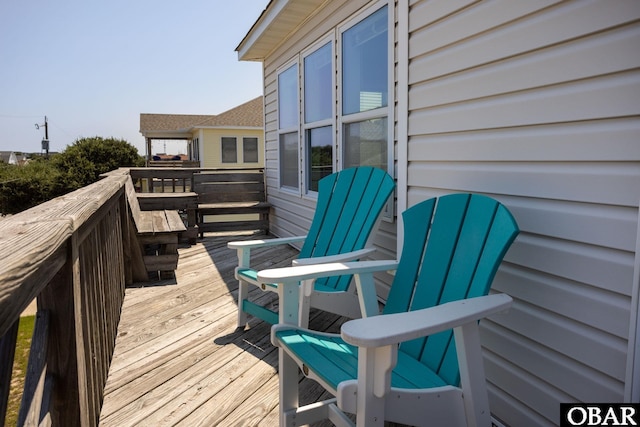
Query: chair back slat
{"points": [[418, 220], [325, 192], [372, 191], [467, 238], [349, 203], [332, 219]]}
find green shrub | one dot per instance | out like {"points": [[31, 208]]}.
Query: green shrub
{"points": [[22, 187], [83, 162], [80, 164]]}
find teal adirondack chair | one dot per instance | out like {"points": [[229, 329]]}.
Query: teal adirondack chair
{"points": [[420, 362], [348, 206]]}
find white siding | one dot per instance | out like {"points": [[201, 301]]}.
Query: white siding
{"points": [[537, 103]]}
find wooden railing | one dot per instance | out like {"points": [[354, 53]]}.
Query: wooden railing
{"points": [[172, 180], [164, 188], [70, 253], [163, 180], [74, 254], [174, 163]]}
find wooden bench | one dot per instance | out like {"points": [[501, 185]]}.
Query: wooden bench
{"points": [[157, 233], [235, 200], [168, 188], [185, 202]]}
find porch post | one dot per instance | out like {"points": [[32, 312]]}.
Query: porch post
{"points": [[148, 149]]}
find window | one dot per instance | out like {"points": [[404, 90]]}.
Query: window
{"points": [[365, 65], [229, 150], [318, 114], [342, 118], [250, 150], [318, 68], [288, 116], [365, 143], [365, 92], [320, 155], [289, 160]]}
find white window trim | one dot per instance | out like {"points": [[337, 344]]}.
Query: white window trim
{"points": [[402, 13], [328, 38], [378, 112], [388, 111], [293, 61]]}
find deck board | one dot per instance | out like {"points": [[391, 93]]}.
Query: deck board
{"points": [[179, 359]]}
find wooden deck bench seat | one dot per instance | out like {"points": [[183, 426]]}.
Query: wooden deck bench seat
{"points": [[234, 200], [157, 234], [184, 202]]}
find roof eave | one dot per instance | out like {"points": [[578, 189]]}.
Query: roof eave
{"points": [[163, 134], [273, 26], [235, 127]]}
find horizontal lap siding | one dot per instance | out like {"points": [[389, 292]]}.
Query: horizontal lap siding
{"points": [[537, 103]]}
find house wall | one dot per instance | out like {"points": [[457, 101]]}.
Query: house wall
{"points": [[537, 104], [211, 147], [292, 213]]}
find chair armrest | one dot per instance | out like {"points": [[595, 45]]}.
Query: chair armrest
{"points": [[348, 256], [379, 331], [316, 271], [250, 244]]}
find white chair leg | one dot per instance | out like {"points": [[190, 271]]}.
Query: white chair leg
{"points": [[243, 291], [288, 372], [244, 260], [374, 381], [472, 377]]}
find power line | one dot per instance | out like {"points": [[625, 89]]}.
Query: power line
{"points": [[9, 116]]}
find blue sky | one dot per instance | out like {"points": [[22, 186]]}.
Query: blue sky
{"points": [[93, 66]]}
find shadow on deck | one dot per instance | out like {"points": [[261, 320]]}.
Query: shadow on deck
{"points": [[179, 359]]}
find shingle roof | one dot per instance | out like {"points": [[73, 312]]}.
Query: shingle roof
{"points": [[248, 114]]}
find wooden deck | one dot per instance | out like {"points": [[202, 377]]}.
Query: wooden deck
{"points": [[179, 359]]}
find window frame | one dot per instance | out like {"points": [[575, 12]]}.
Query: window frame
{"points": [[222, 160], [331, 121], [244, 152], [378, 113], [338, 120], [290, 129]]}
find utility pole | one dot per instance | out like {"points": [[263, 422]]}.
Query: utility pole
{"points": [[45, 141]]}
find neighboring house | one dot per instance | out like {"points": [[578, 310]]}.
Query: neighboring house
{"points": [[8, 157], [536, 103], [234, 138], [14, 158]]}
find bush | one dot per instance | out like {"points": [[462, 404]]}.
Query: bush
{"points": [[83, 162], [22, 187], [80, 164]]}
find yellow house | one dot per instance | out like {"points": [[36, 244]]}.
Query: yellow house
{"points": [[232, 139]]}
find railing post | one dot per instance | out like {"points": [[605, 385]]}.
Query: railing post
{"points": [[126, 240], [35, 402], [62, 353], [70, 255], [7, 353]]}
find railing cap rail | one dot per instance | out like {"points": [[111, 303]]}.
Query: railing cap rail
{"points": [[33, 243]]}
